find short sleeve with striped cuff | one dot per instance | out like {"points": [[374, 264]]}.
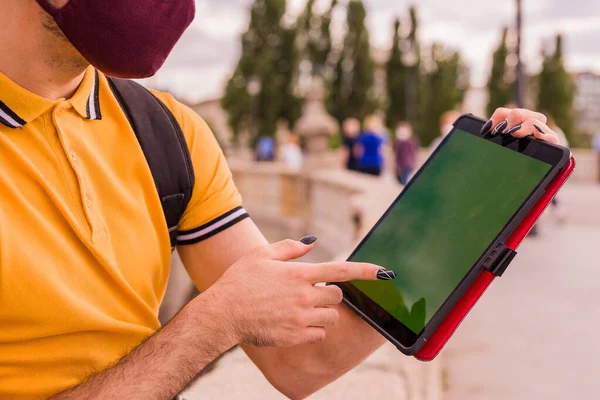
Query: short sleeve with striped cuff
{"points": [[216, 203]]}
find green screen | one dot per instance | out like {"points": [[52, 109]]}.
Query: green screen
{"points": [[444, 222]]}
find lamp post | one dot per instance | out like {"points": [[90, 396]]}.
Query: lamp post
{"points": [[520, 84]]}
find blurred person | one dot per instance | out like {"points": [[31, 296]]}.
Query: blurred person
{"points": [[368, 146], [265, 149], [406, 148], [596, 147], [446, 124], [291, 153], [84, 247], [350, 131]]}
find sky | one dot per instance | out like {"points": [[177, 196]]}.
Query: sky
{"points": [[201, 62]]}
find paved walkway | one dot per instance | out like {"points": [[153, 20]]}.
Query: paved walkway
{"points": [[534, 335]]}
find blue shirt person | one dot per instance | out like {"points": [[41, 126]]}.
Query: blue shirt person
{"points": [[370, 143]]}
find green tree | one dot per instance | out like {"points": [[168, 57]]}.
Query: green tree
{"points": [[291, 101], [350, 93], [500, 84], [445, 82], [314, 37], [396, 88], [270, 58], [324, 46], [556, 90], [413, 72], [237, 103]]}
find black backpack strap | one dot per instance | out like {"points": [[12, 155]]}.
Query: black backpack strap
{"points": [[164, 147]]}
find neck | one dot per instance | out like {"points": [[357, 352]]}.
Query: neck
{"points": [[41, 60]]}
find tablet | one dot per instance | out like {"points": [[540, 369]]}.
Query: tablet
{"points": [[448, 225]]}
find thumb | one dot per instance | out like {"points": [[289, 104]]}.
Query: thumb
{"points": [[291, 249]]}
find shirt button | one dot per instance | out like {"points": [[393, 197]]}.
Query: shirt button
{"points": [[73, 155]]}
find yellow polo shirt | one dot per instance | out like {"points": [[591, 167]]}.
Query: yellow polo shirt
{"points": [[84, 246]]}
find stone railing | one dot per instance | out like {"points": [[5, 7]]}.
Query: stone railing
{"points": [[334, 204], [330, 203], [586, 171]]}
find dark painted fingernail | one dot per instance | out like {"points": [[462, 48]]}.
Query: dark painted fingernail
{"points": [[500, 127], [539, 129], [386, 274], [308, 239], [513, 129], [486, 127]]}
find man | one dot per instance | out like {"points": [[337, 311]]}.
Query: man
{"points": [[84, 251]]}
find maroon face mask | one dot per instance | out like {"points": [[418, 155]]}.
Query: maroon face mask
{"points": [[124, 38]]}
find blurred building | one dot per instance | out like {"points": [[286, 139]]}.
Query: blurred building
{"points": [[587, 101]]}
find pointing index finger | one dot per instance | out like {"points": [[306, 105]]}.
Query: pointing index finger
{"points": [[346, 271]]}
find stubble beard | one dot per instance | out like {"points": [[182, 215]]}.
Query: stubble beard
{"points": [[60, 53]]}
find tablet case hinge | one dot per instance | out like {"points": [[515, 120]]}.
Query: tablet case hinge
{"points": [[498, 259]]}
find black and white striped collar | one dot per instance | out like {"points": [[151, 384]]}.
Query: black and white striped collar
{"points": [[92, 108], [19, 106], [9, 118], [86, 100]]}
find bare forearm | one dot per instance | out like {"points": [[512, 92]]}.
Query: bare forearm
{"points": [[302, 370], [165, 363]]}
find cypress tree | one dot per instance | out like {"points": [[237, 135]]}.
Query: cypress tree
{"points": [[350, 93], [321, 58], [268, 58], [557, 90], [413, 72], [500, 84], [396, 89], [237, 103], [291, 101], [445, 83], [314, 38]]}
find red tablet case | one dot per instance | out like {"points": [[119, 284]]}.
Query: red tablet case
{"points": [[446, 329]]}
